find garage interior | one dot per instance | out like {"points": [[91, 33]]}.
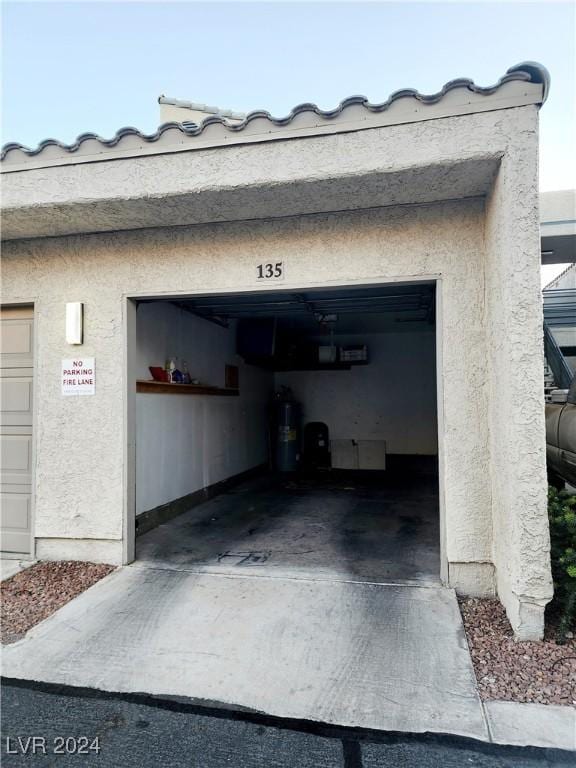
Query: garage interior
{"points": [[290, 434]]}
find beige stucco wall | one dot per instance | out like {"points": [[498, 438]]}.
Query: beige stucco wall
{"points": [[77, 434], [516, 370], [486, 256], [396, 165]]}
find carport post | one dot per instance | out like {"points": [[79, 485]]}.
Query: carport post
{"points": [[129, 408], [440, 431]]}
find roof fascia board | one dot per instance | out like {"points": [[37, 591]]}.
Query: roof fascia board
{"points": [[457, 102], [558, 228]]}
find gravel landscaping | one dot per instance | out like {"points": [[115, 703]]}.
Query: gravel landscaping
{"points": [[529, 672], [32, 595]]}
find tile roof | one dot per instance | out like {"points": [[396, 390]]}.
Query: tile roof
{"points": [[530, 72]]}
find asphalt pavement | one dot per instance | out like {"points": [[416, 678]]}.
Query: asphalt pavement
{"points": [[51, 725]]}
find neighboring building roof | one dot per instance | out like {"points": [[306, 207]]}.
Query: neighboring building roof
{"points": [[197, 107], [524, 84], [558, 226]]}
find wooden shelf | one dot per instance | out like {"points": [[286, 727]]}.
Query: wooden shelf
{"points": [[164, 388]]}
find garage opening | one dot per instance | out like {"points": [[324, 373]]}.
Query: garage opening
{"points": [[290, 433]]}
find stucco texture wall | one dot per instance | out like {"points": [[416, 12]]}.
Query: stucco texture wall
{"points": [[76, 435], [515, 372], [79, 491]]}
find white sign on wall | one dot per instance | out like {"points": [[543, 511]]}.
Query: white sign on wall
{"points": [[79, 376]]}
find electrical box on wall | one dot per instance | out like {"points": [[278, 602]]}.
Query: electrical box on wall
{"points": [[74, 322]]}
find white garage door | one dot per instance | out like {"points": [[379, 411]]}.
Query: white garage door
{"points": [[16, 382]]}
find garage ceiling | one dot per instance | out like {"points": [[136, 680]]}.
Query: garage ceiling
{"points": [[357, 310]]}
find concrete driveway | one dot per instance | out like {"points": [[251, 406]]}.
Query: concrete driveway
{"points": [[357, 654]]}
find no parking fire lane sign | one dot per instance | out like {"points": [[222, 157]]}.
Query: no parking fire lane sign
{"points": [[79, 376]]}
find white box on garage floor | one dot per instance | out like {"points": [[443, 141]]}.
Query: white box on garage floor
{"points": [[358, 454]]}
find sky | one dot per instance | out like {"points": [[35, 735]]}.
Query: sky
{"points": [[75, 67]]}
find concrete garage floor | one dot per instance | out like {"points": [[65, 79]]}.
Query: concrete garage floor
{"points": [[375, 527], [307, 638]]}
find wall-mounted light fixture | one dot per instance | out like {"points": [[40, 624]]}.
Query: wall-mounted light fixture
{"points": [[74, 322]]}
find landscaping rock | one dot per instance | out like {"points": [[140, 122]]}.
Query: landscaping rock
{"points": [[508, 670], [32, 595]]}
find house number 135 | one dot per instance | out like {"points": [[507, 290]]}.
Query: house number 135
{"points": [[271, 271]]}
